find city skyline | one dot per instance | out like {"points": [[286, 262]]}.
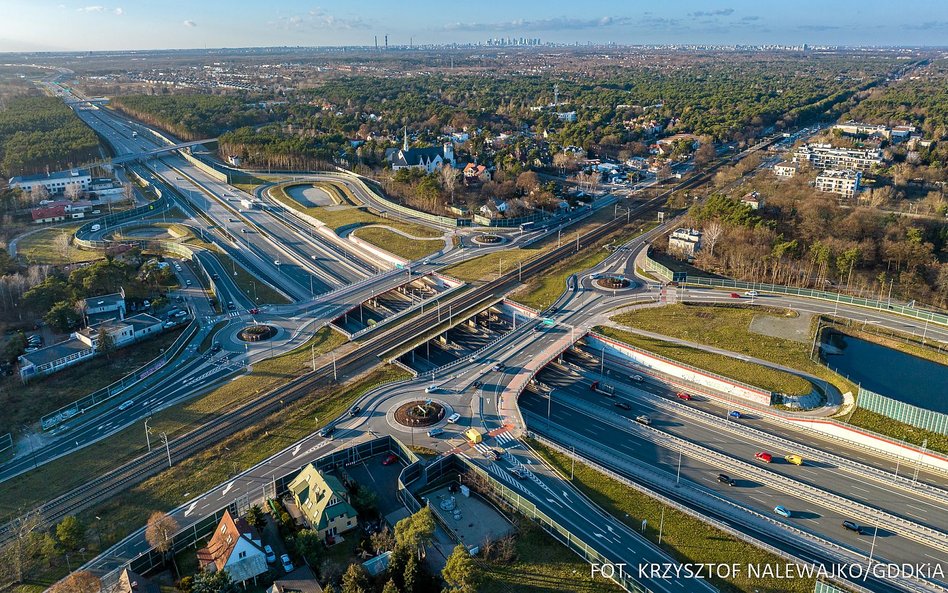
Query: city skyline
{"points": [[54, 25]]}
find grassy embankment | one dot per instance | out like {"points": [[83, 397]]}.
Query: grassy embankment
{"points": [[47, 246], [341, 218], [26, 404], [65, 473], [684, 537]]}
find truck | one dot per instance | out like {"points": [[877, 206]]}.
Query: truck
{"points": [[248, 204], [606, 390]]}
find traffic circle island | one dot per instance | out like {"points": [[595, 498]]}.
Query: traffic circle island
{"points": [[257, 333], [419, 413]]}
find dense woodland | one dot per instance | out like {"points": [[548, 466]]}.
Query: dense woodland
{"points": [[192, 117]]}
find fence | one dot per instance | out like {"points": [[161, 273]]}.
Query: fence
{"points": [[922, 314], [95, 398], [903, 412], [6, 442], [821, 587]]}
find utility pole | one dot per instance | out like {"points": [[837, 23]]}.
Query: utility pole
{"points": [[147, 433], [334, 376], [678, 475], [164, 439]]}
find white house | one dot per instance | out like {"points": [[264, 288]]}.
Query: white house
{"points": [[430, 159], [235, 547], [107, 306], [785, 169], [685, 241]]}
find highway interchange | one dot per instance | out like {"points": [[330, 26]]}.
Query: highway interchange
{"points": [[325, 278]]}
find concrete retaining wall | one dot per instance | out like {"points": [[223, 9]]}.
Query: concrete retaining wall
{"points": [[680, 371]]}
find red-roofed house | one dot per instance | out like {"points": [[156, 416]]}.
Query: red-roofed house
{"points": [[476, 173], [46, 214], [235, 546]]}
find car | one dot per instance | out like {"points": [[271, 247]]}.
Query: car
{"points": [[734, 295], [752, 293], [231, 306], [126, 404], [643, 419], [354, 411], [271, 557], [518, 472], [735, 414], [430, 389], [327, 431], [216, 276], [286, 562], [30, 349], [276, 262], [794, 459], [435, 432], [763, 456], [851, 526], [726, 479], [169, 324], [392, 458], [254, 311], [538, 328], [783, 511], [177, 267], [187, 283], [453, 418], [492, 454], [216, 348], [684, 396], [622, 405], [477, 384], [637, 378], [499, 366], [242, 230]]}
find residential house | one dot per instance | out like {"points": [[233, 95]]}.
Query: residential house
{"points": [[685, 241], [122, 333], [753, 199], [235, 547], [301, 580], [845, 182], [567, 116], [47, 214], [785, 169], [144, 325], [476, 173], [106, 306], [323, 501], [494, 208]]}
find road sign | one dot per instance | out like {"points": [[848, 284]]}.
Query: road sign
{"points": [[679, 276], [548, 321]]}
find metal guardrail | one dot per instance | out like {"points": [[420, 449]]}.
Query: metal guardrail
{"points": [[103, 395], [903, 412], [6, 442], [880, 305]]}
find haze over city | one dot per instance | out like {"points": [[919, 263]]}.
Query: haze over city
{"points": [[42, 25]]}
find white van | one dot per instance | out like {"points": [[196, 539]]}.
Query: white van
{"points": [[96, 227]]}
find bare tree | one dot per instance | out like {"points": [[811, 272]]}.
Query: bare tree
{"points": [[81, 581], [72, 192], [129, 192], [712, 232], [17, 557], [61, 243], [449, 179], [160, 530], [38, 194]]}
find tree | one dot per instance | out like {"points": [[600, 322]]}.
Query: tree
{"points": [[528, 182], [383, 540], [449, 179], [704, 155], [390, 587], [61, 242], [255, 517], [159, 532], [38, 194], [17, 558], [460, 572], [712, 232], [72, 192], [416, 531], [71, 533], [213, 582], [413, 577], [309, 545], [62, 317], [105, 344], [355, 580], [81, 581]]}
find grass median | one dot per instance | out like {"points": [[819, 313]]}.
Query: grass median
{"points": [[685, 538], [26, 404], [257, 292], [398, 244], [63, 474], [728, 328]]}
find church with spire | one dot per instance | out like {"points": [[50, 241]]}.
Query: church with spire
{"points": [[430, 159]]}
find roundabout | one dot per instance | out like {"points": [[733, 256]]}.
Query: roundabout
{"points": [[613, 282], [486, 239], [419, 413], [256, 333]]}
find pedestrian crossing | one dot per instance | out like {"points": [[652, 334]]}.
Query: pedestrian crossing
{"points": [[482, 448], [504, 438], [233, 313]]}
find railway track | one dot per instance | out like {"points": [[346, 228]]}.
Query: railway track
{"points": [[215, 431]]}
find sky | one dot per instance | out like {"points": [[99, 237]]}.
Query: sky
{"points": [[56, 25]]}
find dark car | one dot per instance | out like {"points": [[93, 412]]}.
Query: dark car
{"points": [[726, 479], [492, 454], [477, 384], [622, 405], [327, 431], [354, 411], [231, 306], [850, 526], [216, 348]]}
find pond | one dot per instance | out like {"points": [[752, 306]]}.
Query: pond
{"points": [[889, 372]]}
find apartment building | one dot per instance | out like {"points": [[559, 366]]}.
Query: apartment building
{"points": [[824, 156], [844, 182]]}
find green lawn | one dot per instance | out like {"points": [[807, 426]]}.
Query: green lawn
{"points": [[43, 247], [898, 430], [26, 404], [257, 291], [65, 473], [687, 539], [728, 328], [746, 372], [397, 244], [542, 565], [542, 291]]}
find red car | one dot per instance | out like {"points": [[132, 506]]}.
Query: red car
{"points": [[392, 458], [734, 295], [763, 456], [684, 396], [254, 311]]}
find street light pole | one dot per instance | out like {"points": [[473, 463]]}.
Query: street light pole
{"points": [[147, 433], [164, 438], [678, 475]]}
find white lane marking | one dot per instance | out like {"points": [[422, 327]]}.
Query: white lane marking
{"points": [[227, 489], [296, 449], [190, 509]]}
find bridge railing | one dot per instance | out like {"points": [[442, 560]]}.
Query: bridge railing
{"points": [[845, 299]]}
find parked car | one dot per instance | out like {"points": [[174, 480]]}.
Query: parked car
{"points": [[435, 432], [726, 479], [684, 396], [622, 405], [392, 458], [794, 459], [851, 526], [287, 563], [783, 511], [187, 283], [271, 557], [216, 348], [763, 456], [735, 414], [643, 419], [454, 418], [231, 306]]}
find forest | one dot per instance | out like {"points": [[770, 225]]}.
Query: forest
{"points": [[193, 117], [37, 132]]}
